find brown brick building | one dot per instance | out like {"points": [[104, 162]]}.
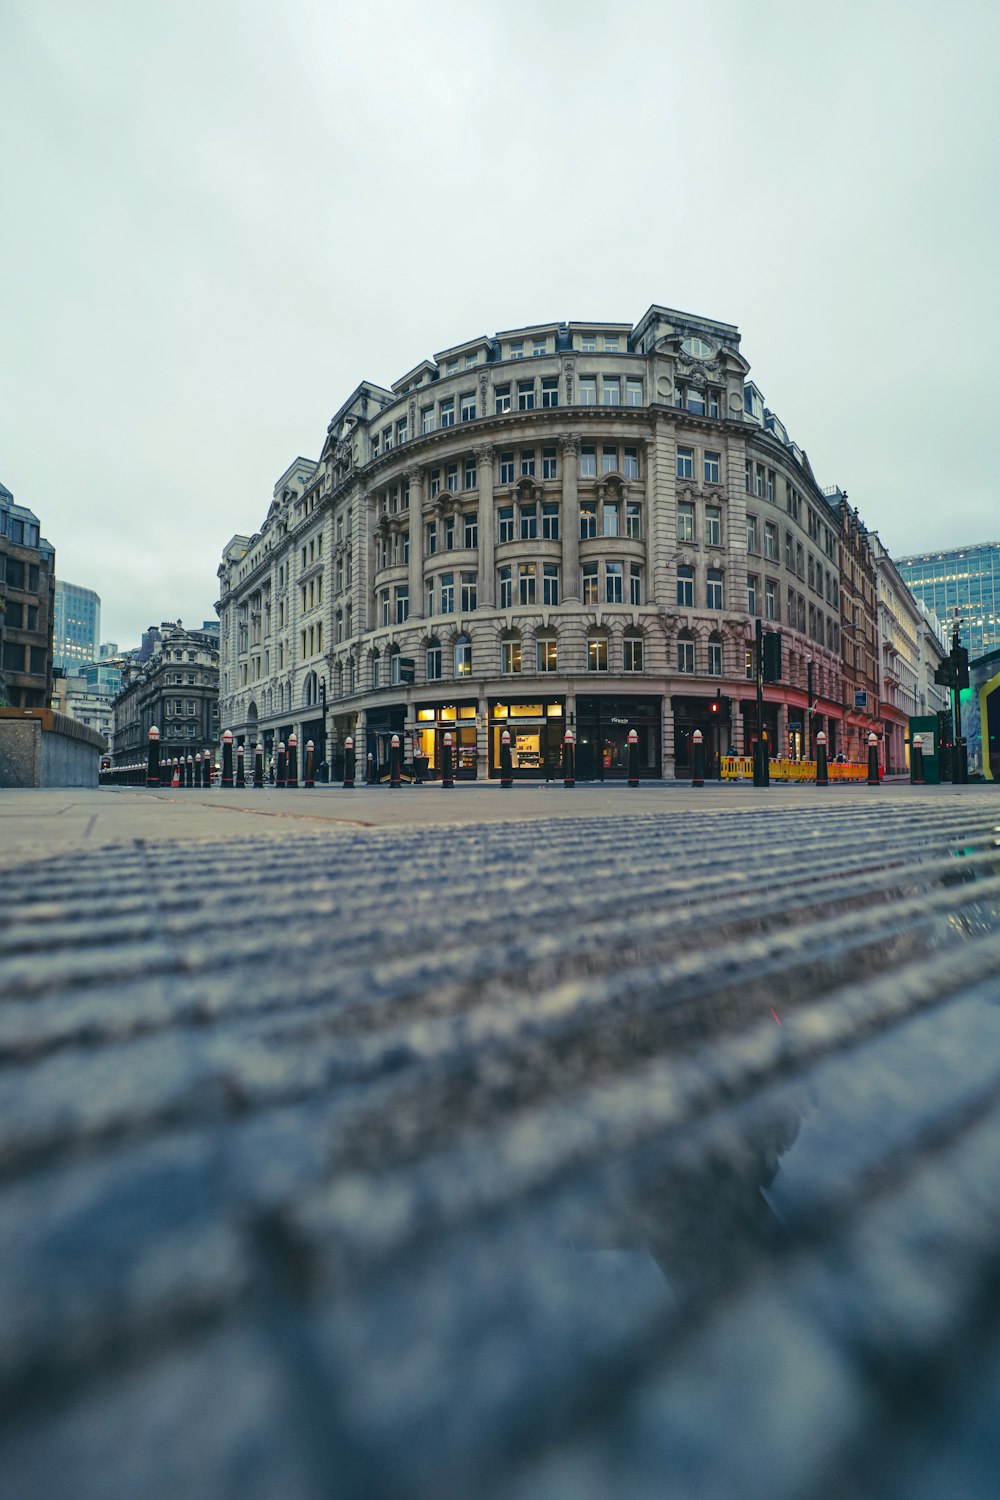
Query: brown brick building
{"points": [[27, 594]]}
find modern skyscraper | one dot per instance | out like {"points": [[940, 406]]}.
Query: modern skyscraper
{"points": [[966, 579], [76, 630]]}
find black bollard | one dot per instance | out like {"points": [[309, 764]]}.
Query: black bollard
{"points": [[189, 770], [506, 762], [279, 779], [822, 773], [292, 768], [569, 759], [349, 764], [309, 777], [633, 757], [153, 758], [698, 759], [917, 760], [395, 762], [258, 764], [241, 772], [873, 760], [447, 773], [370, 771], [227, 759]]}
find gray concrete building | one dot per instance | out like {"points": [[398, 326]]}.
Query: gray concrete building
{"points": [[569, 525]]}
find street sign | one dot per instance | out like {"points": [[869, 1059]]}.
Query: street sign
{"points": [[860, 697]]}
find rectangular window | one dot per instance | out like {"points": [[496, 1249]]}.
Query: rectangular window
{"points": [[526, 583], [447, 593], [613, 582], [505, 523], [517, 350], [384, 606], [538, 348], [470, 529], [505, 593], [402, 603], [635, 583], [470, 474], [770, 484], [633, 393], [546, 654], [501, 396], [590, 583], [427, 419], [752, 582], [713, 403], [611, 343], [685, 656], [448, 412], [713, 589], [449, 533], [527, 462], [715, 658], [696, 402], [529, 523], [632, 653], [713, 468], [525, 395], [470, 593], [510, 657], [752, 541], [506, 468], [685, 463], [550, 523], [550, 583], [429, 596], [432, 538], [587, 388], [685, 522], [612, 518], [588, 343], [468, 406], [611, 392], [713, 526], [758, 479], [633, 520], [630, 467], [451, 478], [588, 519], [550, 391], [771, 541], [588, 463], [550, 466], [435, 485], [771, 611], [609, 459], [597, 654]]}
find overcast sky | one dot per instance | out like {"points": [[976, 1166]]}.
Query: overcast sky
{"points": [[217, 216]]}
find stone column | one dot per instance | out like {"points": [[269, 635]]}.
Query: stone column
{"points": [[416, 479], [487, 526], [570, 520]]}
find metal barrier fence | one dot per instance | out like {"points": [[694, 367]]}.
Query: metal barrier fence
{"points": [[740, 768]]}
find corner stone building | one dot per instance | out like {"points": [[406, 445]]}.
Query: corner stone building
{"points": [[564, 526], [177, 689]]}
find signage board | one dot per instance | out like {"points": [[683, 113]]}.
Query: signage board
{"points": [[860, 697]]}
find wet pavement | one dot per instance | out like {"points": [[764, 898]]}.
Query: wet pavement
{"points": [[627, 1148]]}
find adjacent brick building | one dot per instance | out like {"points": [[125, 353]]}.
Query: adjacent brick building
{"points": [[27, 589]]}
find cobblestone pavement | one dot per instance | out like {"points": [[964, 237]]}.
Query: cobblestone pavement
{"points": [[638, 1147]]}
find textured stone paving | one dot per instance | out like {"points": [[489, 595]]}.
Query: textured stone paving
{"points": [[624, 1154]]}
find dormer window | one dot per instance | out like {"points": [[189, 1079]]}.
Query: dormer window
{"points": [[610, 344], [588, 343], [517, 350]]}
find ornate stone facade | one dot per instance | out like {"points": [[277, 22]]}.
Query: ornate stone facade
{"points": [[564, 526]]}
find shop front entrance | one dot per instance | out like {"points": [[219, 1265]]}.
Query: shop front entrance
{"points": [[434, 721], [602, 729], [536, 737], [713, 716], [381, 725]]}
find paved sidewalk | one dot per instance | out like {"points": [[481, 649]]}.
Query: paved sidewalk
{"points": [[540, 1145], [36, 823]]}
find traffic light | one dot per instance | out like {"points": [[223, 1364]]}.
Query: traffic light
{"points": [[772, 655], [721, 706], [945, 727]]}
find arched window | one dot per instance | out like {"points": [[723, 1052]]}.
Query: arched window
{"points": [[685, 587], [463, 656], [715, 654], [714, 589], [632, 651], [310, 690], [433, 660], [376, 671], [597, 653], [685, 651]]}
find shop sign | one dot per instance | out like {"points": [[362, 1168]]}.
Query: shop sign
{"points": [[618, 721]]}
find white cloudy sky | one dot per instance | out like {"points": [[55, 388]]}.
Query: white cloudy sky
{"points": [[216, 216]]}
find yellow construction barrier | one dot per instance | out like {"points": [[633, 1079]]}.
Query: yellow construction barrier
{"points": [[740, 768]]}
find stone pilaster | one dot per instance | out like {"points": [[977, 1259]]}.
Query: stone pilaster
{"points": [[570, 519], [416, 581], [485, 457]]}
